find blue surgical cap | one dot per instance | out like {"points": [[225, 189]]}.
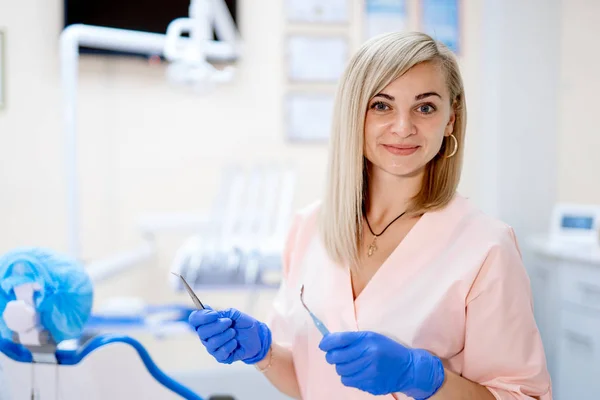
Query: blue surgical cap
{"points": [[65, 300]]}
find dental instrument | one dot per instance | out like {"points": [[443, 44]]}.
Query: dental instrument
{"points": [[318, 323], [195, 298]]}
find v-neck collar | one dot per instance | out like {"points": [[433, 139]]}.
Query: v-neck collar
{"points": [[402, 263], [403, 251]]}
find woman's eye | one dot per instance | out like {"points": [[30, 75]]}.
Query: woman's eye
{"points": [[426, 109], [379, 106]]}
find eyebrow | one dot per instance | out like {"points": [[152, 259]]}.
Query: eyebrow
{"points": [[428, 94], [417, 97]]}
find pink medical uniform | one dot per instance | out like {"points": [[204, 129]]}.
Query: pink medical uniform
{"points": [[455, 286]]}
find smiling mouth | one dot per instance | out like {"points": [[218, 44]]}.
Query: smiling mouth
{"points": [[401, 150]]}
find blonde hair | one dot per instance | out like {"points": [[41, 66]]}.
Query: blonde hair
{"points": [[377, 63]]}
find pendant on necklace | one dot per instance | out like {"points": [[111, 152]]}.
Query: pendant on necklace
{"points": [[372, 247]]}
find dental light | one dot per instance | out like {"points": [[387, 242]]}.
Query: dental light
{"points": [[188, 59]]}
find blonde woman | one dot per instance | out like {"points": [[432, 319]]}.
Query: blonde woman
{"points": [[424, 295]]}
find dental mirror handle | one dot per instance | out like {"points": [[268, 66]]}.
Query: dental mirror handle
{"points": [[320, 326]]}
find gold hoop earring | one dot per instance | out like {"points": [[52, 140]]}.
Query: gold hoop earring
{"points": [[455, 141]]}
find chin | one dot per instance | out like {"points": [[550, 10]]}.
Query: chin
{"points": [[402, 170], [407, 172]]}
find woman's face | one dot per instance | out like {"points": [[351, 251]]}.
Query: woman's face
{"points": [[406, 122]]}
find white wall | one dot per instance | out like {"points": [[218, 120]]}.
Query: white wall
{"points": [[579, 137], [539, 94], [519, 91], [30, 148]]}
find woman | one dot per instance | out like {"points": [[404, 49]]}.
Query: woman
{"points": [[425, 296]]}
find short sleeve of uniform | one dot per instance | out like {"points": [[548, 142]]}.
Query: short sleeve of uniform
{"points": [[279, 320], [503, 349]]}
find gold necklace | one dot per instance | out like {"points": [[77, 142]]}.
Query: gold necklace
{"points": [[373, 246]]}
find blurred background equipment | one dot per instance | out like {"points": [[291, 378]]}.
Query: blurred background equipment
{"points": [[156, 16], [243, 240], [565, 277], [46, 300], [189, 60]]}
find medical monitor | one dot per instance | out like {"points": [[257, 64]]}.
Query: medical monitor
{"points": [[144, 15]]}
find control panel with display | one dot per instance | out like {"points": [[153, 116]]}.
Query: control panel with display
{"points": [[576, 223]]}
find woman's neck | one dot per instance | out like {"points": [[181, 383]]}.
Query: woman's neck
{"points": [[389, 195]]}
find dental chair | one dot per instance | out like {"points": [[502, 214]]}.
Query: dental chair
{"points": [[241, 247], [37, 366]]}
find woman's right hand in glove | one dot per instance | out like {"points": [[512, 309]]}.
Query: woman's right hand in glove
{"points": [[231, 335]]}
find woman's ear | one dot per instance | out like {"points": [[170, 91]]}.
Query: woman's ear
{"points": [[451, 121]]}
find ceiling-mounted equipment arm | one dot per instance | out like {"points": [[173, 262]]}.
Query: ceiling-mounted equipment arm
{"points": [[190, 60], [204, 13]]}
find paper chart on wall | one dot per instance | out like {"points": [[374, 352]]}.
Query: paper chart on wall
{"points": [[330, 11], [316, 58], [383, 16]]}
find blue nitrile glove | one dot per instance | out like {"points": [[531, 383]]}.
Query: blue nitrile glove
{"points": [[231, 335], [378, 365]]}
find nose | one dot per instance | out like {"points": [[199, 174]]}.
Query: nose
{"points": [[403, 125]]}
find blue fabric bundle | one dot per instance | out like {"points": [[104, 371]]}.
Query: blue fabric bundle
{"points": [[65, 301]]}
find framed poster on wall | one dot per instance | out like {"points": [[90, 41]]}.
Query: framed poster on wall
{"points": [[316, 59], [441, 20], [317, 11], [383, 16]]}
